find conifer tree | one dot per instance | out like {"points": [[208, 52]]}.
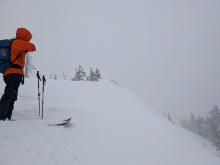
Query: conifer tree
{"points": [[170, 118], [80, 74], [91, 76], [97, 74]]}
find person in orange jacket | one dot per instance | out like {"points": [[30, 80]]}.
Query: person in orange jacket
{"points": [[14, 75]]}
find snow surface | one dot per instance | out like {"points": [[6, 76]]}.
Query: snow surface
{"points": [[112, 126]]}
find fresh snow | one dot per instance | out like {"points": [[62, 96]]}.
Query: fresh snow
{"points": [[111, 126]]}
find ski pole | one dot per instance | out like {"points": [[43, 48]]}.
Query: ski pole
{"points": [[39, 79], [44, 82]]}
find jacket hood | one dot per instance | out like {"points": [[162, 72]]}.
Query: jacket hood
{"points": [[23, 34]]}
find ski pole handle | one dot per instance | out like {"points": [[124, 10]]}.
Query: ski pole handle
{"points": [[38, 76]]}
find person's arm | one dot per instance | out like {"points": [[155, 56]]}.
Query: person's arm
{"points": [[24, 45]]}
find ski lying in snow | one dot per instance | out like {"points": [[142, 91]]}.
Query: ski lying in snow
{"points": [[65, 123]]}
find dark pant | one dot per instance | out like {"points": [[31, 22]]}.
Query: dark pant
{"points": [[9, 97]]}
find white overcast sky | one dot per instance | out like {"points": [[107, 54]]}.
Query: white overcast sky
{"points": [[167, 51]]}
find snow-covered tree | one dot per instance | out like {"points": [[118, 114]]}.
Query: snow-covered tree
{"points": [[91, 76], [215, 115], [208, 128], [55, 77], [193, 127], [80, 74], [170, 118], [214, 126], [185, 124], [51, 76], [94, 76], [97, 74], [64, 76], [202, 127]]}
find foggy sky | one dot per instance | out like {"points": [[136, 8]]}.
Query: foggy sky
{"points": [[167, 51]]}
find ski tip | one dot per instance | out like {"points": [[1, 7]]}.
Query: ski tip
{"points": [[68, 119], [65, 123]]}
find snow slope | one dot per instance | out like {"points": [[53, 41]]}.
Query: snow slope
{"points": [[111, 127]]}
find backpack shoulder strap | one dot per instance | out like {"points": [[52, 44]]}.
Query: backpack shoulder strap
{"points": [[12, 62]]}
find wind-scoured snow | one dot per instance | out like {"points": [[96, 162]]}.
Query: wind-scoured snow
{"points": [[111, 126]]}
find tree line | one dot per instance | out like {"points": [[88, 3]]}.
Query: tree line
{"points": [[206, 127], [79, 75]]}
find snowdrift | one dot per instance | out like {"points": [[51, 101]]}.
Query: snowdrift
{"points": [[111, 127]]}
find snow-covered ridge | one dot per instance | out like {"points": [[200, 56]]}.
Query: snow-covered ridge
{"points": [[111, 126]]}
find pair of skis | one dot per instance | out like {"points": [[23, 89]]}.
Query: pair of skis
{"points": [[41, 107]]}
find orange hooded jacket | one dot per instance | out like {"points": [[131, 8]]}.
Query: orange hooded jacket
{"points": [[19, 47]]}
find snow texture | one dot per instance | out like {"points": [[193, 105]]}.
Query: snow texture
{"points": [[112, 126]]}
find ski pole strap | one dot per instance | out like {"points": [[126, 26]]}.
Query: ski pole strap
{"points": [[44, 80], [22, 80]]}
